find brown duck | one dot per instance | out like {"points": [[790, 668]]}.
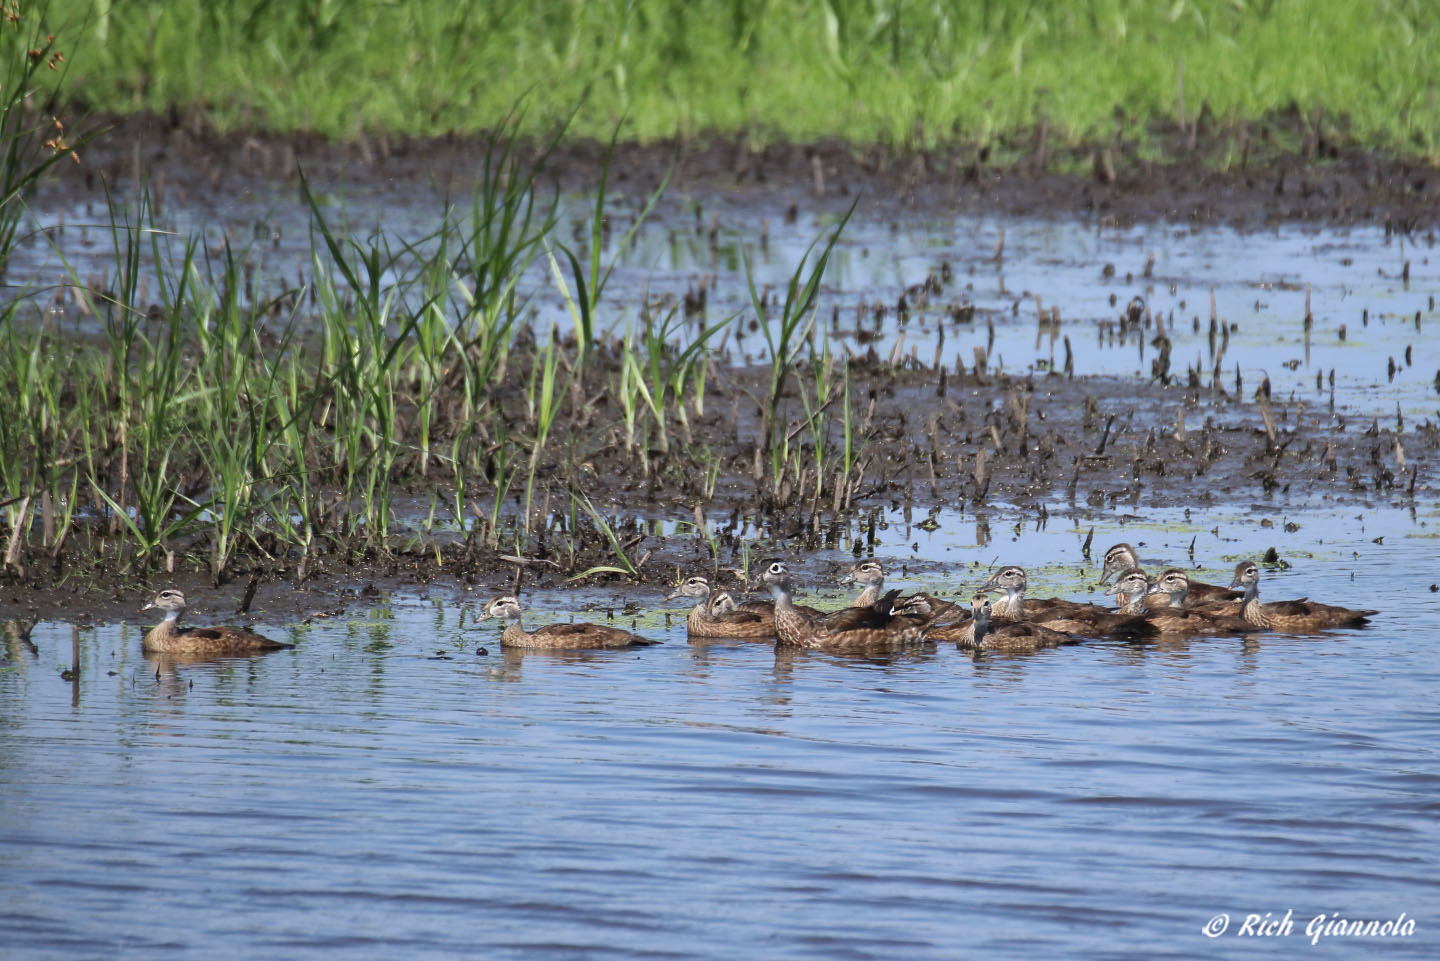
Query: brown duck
{"points": [[927, 607], [557, 637], [1069, 617], [1012, 636], [699, 588], [852, 630], [1302, 616], [1173, 617], [716, 614], [1122, 558], [168, 637]]}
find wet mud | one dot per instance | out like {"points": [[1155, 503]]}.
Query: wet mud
{"points": [[930, 435], [1012, 449], [1283, 170]]}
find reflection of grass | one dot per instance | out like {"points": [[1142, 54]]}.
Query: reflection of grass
{"points": [[902, 71]]}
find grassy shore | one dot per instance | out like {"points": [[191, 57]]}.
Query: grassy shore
{"points": [[902, 72]]}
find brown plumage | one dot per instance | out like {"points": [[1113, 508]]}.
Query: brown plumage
{"points": [[1301, 616], [168, 637], [1070, 617], [1014, 636], [557, 637], [716, 614], [1173, 618], [920, 605], [1122, 558], [852, 630], [700, 624]]}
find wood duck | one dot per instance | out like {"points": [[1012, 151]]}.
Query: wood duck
{"points": [[852, 630], [716, 614], [1301, 616], [927, 607], [699, 587], [1016, 636], [1171, 617], [168, 637], [1071, 617], [870, 575], [721, 602], [556, 637], [1122, 558]]}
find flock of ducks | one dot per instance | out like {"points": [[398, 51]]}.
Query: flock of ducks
{"points": [[1170, 605]]}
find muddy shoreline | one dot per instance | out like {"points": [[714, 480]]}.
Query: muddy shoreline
{"points": [[1279, 171], [1072, 448]]}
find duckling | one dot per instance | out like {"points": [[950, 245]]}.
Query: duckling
{"points": [[1070, 617], [1172, 618], [716, 614], [700, 624], [721, 602], [872, 574], [1010, 636], [168, 637], [852, 630], [1174, 586], [1122, 558], [1301, 616], [556, 637]]}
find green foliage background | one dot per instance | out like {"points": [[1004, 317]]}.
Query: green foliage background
{"points": [[900, 72]]}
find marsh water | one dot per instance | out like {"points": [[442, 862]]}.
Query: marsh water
{"points": [[384, 790]]}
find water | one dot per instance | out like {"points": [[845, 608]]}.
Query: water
{"points": [[364, 796], [382, 791], [1379, 287]]}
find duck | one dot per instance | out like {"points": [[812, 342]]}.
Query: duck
{"points": [[1122, 558], [1163, 605], [556, 637], [869, 574], [872, 573], [1015, 636], [721, 602], [698, 622], [716, 613], [919, 604], [1301, 616], [852, 630], [1070, 617], [168, 637]]}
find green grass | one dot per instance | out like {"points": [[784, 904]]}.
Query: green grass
{"points": [[906, 73]]}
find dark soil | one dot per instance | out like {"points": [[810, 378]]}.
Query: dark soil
{"points": [[1287, 169], [1087, 447], [1092, 445]]}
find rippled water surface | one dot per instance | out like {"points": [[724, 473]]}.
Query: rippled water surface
{"points": [[383, 791]]}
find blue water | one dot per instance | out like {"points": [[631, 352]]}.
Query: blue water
{"points": [[382, 791]]}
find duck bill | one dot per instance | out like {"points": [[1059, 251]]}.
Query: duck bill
{"points": [[671, 597]]}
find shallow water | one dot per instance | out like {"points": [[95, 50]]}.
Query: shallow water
{"points": [[1379, 287], [358, 797]]}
